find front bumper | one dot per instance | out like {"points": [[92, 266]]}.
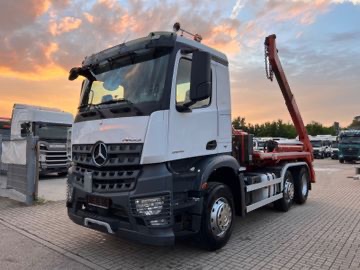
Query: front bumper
{"points": [[46, 170], [160, 237], [318, 154], [122, 220], [349, 158]]}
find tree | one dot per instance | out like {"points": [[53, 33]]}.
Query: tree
{"points": [[239, 123], [280, 129], [316, 128], [355, 123]]}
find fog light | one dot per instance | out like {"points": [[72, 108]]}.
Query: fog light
{"points": [[149, 206], [69, 192], [159, 222]]}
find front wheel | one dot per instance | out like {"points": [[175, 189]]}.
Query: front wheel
{"points": [[218, 216], [341, 160], [301, 185], [286, 201]]}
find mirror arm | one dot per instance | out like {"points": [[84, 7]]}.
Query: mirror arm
{"points": [[183, 108]]}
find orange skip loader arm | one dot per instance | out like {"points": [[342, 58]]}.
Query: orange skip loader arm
{"points": [[290, 102]]}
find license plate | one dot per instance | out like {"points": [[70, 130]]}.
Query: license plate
{"points": [[97, 201]]}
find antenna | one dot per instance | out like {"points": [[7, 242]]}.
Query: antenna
{"points": [[177, 28]]}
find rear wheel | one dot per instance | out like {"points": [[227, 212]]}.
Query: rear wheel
{"points": [[341, 160], [286, 201], [301, 185], [218, 216]]}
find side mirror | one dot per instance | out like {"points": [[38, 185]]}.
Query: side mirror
{"points": [[74, 73], [200, 87]]}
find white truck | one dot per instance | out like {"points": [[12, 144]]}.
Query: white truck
{"points": [[153, 151], [51, 126], [319, 147], [334, 148]]}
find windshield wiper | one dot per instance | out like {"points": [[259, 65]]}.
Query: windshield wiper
{"points": [[95, 106], [121, 100]]}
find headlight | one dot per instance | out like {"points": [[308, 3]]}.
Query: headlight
{"points": [[149, 206]]}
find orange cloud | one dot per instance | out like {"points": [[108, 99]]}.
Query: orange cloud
{"points": [[38, 73], [223, 37], [51, 49], [67, 24], [89, 17]]}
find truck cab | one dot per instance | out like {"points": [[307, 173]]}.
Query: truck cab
{"points": [[319, 147], [349, 145], [153, 150], [51, 127]]}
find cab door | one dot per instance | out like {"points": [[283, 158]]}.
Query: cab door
{"points": [[193, 133]]}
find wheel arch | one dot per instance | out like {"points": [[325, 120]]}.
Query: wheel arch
{"points": [[225, 169], [295, 168]]}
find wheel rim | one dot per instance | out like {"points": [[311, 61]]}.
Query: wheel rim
{"points": [[304, 189], [289, 190], [221, 217]]}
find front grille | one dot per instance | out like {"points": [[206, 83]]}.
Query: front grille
{"points": [[119, 173], [351, 151], [54, 158]]}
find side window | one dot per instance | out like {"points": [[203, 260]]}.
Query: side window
{"points": [[183, 85]]}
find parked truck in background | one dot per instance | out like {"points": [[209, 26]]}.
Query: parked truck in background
{"points": [[349, 145], [319, 147], [334, 147], [51, 126], [154, 154]]}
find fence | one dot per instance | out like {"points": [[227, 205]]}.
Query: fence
{"points": [[19, 169]]}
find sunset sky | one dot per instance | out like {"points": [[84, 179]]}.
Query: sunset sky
{"points": [[318, 42]]}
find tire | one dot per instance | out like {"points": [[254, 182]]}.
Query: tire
{"points": [[341, 160], [217, 200], [286, 201], [301, 184]]}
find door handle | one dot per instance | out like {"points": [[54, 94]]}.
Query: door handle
{"points": [[211, 145]]}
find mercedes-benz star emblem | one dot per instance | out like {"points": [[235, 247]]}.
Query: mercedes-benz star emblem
{"points": [[100, 154]]}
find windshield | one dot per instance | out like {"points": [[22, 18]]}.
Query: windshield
{"points": [[316, 143], [51, 131], [133, 85], [261, 144], [348, 139]]}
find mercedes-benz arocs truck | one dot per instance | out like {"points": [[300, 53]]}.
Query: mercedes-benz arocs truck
{"points": [[51, 126], [153, 150]]}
